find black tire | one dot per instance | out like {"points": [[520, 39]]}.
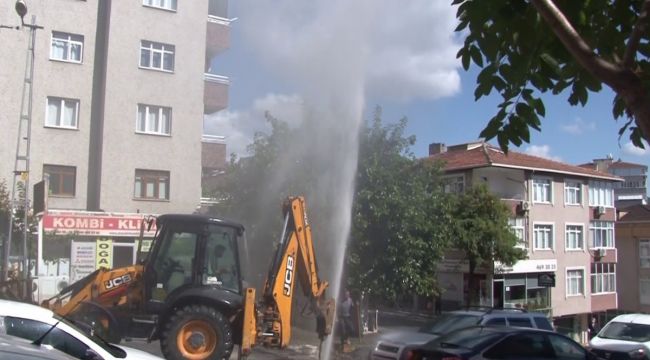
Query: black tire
{"points": [[211, 331]]}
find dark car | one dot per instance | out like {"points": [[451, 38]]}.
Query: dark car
{"points": [[499, 343], [393, 345]]}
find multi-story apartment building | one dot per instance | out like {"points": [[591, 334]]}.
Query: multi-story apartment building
{"points": [[563, 216], [120, 89], [633, 245], [633, 190]]}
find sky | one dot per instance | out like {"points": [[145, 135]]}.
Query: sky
{"points": [[410, 70]]}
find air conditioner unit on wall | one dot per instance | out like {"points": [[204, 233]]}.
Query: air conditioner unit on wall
{"points": [[599, 253], [600, 210], [524, 205]]}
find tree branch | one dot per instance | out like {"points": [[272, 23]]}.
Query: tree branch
{"points": [[576, 45], [635, 36]]}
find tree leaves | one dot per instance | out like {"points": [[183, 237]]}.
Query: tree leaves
{"points": [[399, 215], [519, 53]]}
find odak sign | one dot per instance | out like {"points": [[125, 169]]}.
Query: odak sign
{"points": [[104, 253]]}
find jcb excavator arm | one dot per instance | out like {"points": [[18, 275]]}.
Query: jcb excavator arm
{"points": [[269, 322]]}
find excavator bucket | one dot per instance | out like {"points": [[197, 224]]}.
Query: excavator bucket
{"points": [[325, 321]]}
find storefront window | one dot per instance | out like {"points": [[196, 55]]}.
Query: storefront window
{"points": [[538, 299], [515, 296], [522, 291]]}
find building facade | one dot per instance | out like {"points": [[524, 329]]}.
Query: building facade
{"points": [[563, 216], [633, 245], [120, 89], [633, 190]]}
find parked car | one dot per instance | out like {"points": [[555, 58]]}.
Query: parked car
{"points": [[501, 342], [14, 348], [392, 346], [47, 329], [624, 337]]}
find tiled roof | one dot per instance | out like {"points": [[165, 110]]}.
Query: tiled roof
{"points": [[622, 164], [479, 155], [635, 213]]}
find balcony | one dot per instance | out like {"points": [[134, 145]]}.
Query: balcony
{"points": [[218, 29], [215, 93]]}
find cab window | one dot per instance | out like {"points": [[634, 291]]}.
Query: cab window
{"points": [[173, 265], [220, 261]]}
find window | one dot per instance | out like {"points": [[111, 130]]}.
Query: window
{"points": [[61, 179], [221, 265], [566, 349], [66, 47], [601, 193], [62, 113], [574, 237], [542, 191], [602, 234], [575, 282], [174, 263], [156, 56], [644, 254], [57, 338], [154, 119], [521, 346], [543, 237], [496, 322], [520, 322], [517, 227], [644, 291], [162, 4], [151, 184], [603, 278], [454, 184], [572, 193]]}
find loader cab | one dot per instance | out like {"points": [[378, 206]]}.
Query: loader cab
{"points": [[191, 252]]}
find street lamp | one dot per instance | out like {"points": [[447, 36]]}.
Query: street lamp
{"points": [[26, 104], [21, 10]]}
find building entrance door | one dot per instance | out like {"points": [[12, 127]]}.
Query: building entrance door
{"points": [[123, 254], [497, 293]]}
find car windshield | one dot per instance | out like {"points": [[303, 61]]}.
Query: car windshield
{"points": [[471, 338], [626, 331], [450, 322], [112, 349]]}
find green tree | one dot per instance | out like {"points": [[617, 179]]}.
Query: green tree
{"points": [[400, 216], [18, 226], [526, 48], [482, 233], [5, 209]]}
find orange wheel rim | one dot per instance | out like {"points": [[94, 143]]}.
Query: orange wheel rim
{"points": [[196, 340]]}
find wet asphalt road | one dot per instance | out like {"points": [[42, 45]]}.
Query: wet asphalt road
{"points": [[305, 343]]}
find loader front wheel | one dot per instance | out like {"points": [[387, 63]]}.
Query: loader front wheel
{"points": [[197, 332]]}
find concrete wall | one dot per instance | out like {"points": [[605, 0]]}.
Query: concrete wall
{"points": [[127, 85], [628, 272], [51, 78]]}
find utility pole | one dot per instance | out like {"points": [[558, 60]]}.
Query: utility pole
{"points": [[21, 163]]}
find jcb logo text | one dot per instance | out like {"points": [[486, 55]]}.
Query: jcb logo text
{"points": [[288, 276]]}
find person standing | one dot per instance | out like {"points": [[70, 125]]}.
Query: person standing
{"points": [[593, 328], [345, 317]]}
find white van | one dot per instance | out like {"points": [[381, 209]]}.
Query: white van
{"points": [[625, 336]]}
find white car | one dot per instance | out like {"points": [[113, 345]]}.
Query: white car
{"points": [[624, 337], [14, 348], [45, 328]]}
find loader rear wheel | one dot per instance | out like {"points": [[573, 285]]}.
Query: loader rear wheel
{"points": [[197, 332]]}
